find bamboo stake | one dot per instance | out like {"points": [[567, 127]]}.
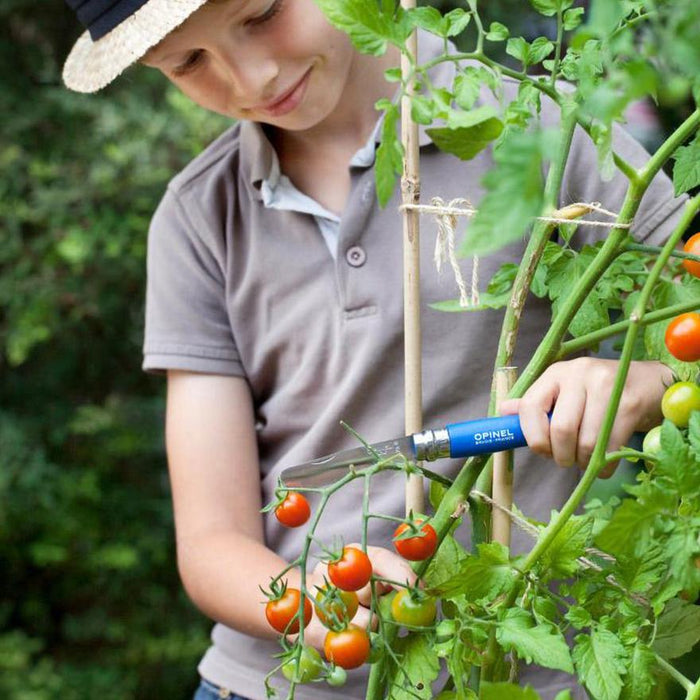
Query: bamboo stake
{"points": [[410, 194], [502, 469]]}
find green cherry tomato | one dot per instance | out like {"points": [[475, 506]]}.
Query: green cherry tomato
{"points": [[335, 606], [679, 401], [652, 442], [338, 676], [413, 608], [307, 669]]}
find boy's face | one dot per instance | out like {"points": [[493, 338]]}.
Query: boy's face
{"points": [[273, 61]]}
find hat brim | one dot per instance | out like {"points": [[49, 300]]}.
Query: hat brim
{"points": [[91, 65]]}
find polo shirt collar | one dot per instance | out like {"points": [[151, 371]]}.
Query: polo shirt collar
{"points": [[257, 154]]}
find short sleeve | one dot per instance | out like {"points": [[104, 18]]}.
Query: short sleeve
{"points": [[187, 324], [659, 209]]}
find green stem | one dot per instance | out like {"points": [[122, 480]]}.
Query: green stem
{"points": [[557, 55], [653, 249], [590, 340], [694, 692], [677, 676]]}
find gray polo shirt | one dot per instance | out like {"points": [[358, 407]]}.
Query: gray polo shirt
{"points": [[239, 288]]}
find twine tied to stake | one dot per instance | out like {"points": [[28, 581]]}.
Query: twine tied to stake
{"points": [[446, 219]]}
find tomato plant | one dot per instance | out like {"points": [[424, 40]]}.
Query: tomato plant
{"points": [[281, 610], [679, 402], [347, 648], [413, 608], [419, 547], [335, 606], [683, 337], [351, 571], [294, 510], [306, 668], [692, 246]]}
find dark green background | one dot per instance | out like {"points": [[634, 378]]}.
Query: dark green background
{"points": [[91, 605]]}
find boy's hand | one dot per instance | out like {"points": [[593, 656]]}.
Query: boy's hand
{"points": [[578, 391]]}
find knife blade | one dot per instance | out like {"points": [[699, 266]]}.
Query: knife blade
{"points": [[465, 439]]}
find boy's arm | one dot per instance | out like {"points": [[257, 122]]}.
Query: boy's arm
{"points": [[578, 391], [215, 480]]}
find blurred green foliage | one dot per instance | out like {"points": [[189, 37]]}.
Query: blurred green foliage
{"points": [[91, 603]]}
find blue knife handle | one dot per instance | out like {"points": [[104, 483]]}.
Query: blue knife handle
{"points": [[475, 437]]}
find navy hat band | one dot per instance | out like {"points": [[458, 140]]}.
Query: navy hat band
{"points": [[99, 17]]}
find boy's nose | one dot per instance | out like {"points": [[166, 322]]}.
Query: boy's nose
{"points": [[249, 75]]}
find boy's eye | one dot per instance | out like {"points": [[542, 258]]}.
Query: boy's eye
{"points": [[271, 11], [189, 63]]}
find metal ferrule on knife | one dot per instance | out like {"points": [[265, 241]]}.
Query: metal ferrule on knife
{"points": [[430, 445]]}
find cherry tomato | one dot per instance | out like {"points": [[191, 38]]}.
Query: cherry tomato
{"points": [[419, 547], [352, 571], [679, 401], [692, 246], [280, 611], [307, 668], [652, 442], [337, 677], [335, 606], [413, 608], [348, 648], [683, 337], [294, 510]]}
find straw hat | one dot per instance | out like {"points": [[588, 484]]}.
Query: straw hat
{"points": [[119, 33]]}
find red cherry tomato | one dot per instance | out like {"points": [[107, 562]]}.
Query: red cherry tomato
{"points": [[294, 510], [692, 246], [352, 571], [348, 648], [334, 606], [683, 337], [419, 547], [280, 611]]}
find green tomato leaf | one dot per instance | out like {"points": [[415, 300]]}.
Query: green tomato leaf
{"points": [[630, 528], [457, 21], [548, 8], [600, 660], [419, 665], [389, 159], [573, 18], [497, 32], [559, 560], [686, 169], [446, 562], [484, 576], [536, 643], [678, 629], [514, 195], [468, 134], [640, 680], [368, 28], [428, 18], [506, 691]]}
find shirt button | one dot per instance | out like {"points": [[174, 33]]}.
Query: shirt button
{"points": [[356, 256]]}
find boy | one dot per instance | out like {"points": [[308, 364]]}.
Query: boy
{"points": [[274, 304]]}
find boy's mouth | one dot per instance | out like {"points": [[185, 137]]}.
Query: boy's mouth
{"points": [[287, 101]]}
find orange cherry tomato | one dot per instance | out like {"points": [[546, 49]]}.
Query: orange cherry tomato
{"points": [[683, 337], [335, 606], [281, 611], [348, 648], [692, 246], [294, 510]]}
